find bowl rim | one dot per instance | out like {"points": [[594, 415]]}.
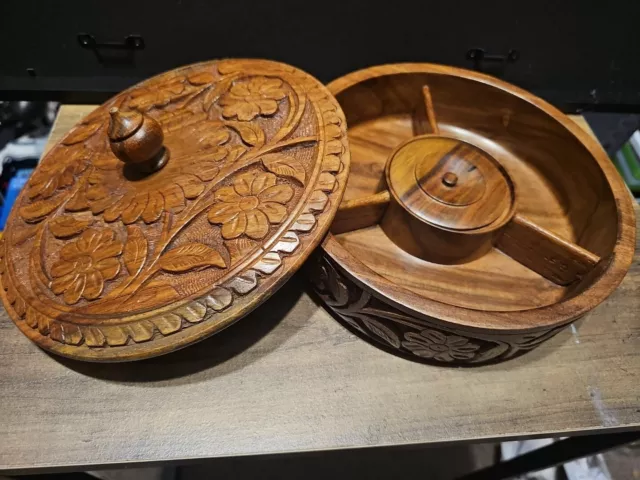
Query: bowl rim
{"points": [[552, 315]]}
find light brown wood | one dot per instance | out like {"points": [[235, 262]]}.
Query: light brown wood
{"points": [[290, 371], [552, 257], [360, 213], [174, 209], [424, 118], [493, 171], [138, 140]]}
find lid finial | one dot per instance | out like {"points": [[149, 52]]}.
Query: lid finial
{"points": [[137, 140]]}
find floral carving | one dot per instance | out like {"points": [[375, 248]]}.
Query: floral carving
{"points": [[248, 99], [437, 345], [147, 197], [242, 175], [214, 143], [85, 264], [51, 177], [250, 205], [421, 337], [82, 132]]}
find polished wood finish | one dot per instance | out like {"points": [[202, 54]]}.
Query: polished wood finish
{"points": [[361, 212], [137, 140], [174, 209], [543, 252], [476, 169], [424, 117], [291, 370]]}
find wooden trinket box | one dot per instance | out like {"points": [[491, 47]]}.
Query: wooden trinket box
{"points": [[477, 220]]}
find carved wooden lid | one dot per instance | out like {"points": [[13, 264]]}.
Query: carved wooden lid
{"points": [[174, 209], [449, 183]]}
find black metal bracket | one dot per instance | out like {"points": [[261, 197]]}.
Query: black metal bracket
{"points": [[130, 44], [557, 453], [491, 62]]}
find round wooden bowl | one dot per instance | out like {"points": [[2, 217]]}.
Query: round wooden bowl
{"points": [[477, 222]]}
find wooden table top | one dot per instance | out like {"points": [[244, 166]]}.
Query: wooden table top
{"points": [[289, 378]]}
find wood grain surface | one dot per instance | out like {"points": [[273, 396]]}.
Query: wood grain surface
{"points": [[289, 378], [174, 209], [506, 222]]}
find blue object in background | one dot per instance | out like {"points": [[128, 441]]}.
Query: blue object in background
{"points": [[15, 185]]}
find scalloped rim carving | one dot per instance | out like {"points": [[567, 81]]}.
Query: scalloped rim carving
{"points": [[196, 319]]}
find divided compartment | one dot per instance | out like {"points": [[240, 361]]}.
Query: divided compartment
{"points": [[472, 202]]}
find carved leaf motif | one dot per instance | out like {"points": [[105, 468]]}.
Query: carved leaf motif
{"points": [[200, 78], [235, 153], [149, 97], [382, 331], [284, 166], [67, 226], [78, 201], [24, 234], [215, 92], [36, 211], [81, 133], [338, 289], [238, 150], [250, 133], [240, 247], [190, 256], [353, 323], [135, 250]]}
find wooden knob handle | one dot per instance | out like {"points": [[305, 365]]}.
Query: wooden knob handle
{"points": [[137, 140]]}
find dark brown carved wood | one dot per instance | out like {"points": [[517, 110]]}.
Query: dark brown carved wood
{"points": [[474, 213], [174, 209]]}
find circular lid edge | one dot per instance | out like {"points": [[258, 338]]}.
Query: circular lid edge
{"points": [[194, 318]]}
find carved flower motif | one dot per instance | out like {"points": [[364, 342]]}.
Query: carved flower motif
{"points": [[250, 205], [148, 196], [85, 264], [55, 175], [436, 345], [247, 100]]}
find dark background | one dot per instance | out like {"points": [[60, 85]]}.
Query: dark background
{"points": [[578, 55]]}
